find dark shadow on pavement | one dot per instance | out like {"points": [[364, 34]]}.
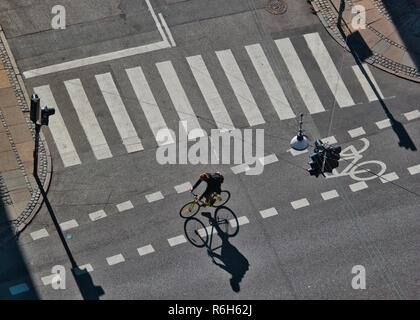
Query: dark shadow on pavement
{"points": [[231, 259], [360, 53]]}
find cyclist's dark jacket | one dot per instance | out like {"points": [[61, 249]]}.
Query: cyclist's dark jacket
{"points": [[213, 185]]}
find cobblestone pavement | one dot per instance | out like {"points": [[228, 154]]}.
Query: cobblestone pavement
{"points": [[392, 31], [19, 194]]}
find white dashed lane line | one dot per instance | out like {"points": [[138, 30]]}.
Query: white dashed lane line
{"points": [[69, 225], [300, 203], [383, 124], [83, 269], [414, 169], [389, 177], [358, 186], [412, 115], [241, 221], [50, 279], [268, 159], [39, 234], [97, 215], [268, 213], [145, 250], [329, 195], [125, 206], [115, 259], [357, 132], [177, 240], [154, 196], [297, 152], [240, 168], [183, 187], [329, 140]]}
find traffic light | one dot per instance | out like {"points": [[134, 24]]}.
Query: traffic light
{"points": [[332, 157], [34, 108], [316, 164], [45, 113]]}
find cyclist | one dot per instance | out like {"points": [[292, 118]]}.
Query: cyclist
{"points": [[214, 181]]}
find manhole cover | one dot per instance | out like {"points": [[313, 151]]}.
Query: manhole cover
{"points": [[277, 6]]}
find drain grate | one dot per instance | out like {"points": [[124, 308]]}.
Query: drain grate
{"points": [[277, 6]]}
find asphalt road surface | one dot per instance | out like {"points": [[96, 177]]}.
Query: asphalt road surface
{"points": [[123, 70]]}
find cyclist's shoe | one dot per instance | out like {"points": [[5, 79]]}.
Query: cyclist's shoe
{"points": [[206, 203]]}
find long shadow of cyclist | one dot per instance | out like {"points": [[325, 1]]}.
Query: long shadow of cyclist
{"points": [[232, 260]]}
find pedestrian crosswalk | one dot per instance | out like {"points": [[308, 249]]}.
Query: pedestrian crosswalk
{"points": [[185, 100]]}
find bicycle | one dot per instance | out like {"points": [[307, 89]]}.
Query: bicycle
{"points": [[191, 208], [224, 221], [354, 168]]}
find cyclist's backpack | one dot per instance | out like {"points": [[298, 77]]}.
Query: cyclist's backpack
{"points": [[218, 177]]}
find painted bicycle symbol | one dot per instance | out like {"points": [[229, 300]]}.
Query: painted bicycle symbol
{"points": [[360, 171]]}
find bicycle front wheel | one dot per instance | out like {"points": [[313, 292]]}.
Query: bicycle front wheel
{"points": [[196, 232], [189, 210], [221, 198], [227, 221]]}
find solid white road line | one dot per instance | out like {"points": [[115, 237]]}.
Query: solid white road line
{"points": [[88, 119], [39, 234], [18, 289], [177, 240], [148, 104], [210, 93], [96, 59], [179, 98], [412, 115], [383, 124], [68, 225], [389, 177], [97, 215], [183, 187], [145, 250], [329, 195], [152, 11], [328, 69], [356, 132], [358, 186], [299, 75], [125, 206], [115, 259], [58, 129], [240, 87], [168, 31], [119, 113], [154, 196], [300, 203], [414, 169], [268, 213], [270, 82], [370, 94], [268, 159]]}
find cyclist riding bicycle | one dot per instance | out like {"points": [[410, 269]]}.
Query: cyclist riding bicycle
{"points": [[214, 181]]}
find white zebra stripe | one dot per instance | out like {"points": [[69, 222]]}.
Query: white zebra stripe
{"points": [[370, 94], [328, 69], [299, 76], [88, 119], [270, 82], [240, 88], [58, 129], [150, 108], [210, 93], [118, 112]]}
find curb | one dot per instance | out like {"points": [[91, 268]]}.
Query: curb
{"points": [[45, 162], [325, 14]]}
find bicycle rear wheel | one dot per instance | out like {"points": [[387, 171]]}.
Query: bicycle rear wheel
{"points": [[224, 197], [189, 210], [196, 232], [227, 221]]}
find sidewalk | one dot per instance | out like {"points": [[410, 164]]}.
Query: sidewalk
{"points": [[392, 32], [19, 194]]}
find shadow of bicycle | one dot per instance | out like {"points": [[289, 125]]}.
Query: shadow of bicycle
{"points": [[225, 225]]}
